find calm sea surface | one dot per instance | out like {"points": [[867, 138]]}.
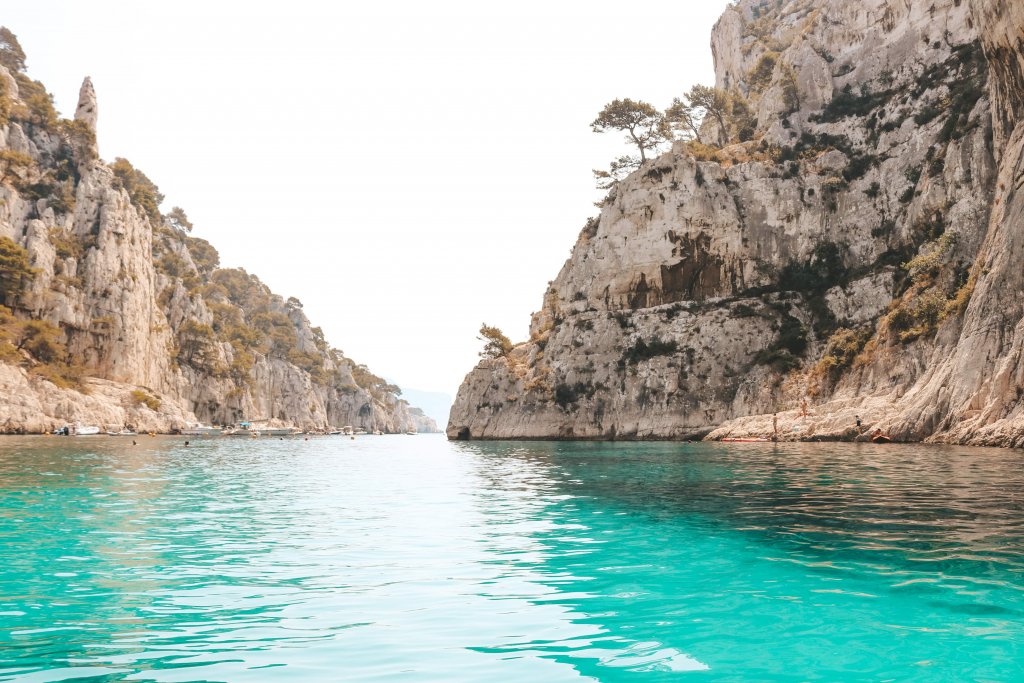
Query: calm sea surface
{"points": [[406, 558]]}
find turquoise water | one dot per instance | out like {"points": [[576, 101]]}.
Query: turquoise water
{"points": [[412, 559]]}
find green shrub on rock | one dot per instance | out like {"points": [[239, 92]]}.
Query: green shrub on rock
{"points": [[16, 271], [142, 398]]}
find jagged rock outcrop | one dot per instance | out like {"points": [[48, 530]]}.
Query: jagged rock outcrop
{"points": [[126, 319], [87, 111], [860, 252]]}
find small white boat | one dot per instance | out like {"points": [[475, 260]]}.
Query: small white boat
{"points": [[411, 432], [86, 430], [123, 432], [277, 431], [199, 429], [243, 429], [377, 432]]}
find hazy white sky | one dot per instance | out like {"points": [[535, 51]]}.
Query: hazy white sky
{"points": [[407, 169]]}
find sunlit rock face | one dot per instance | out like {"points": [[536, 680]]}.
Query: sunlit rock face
{"points": [[127, 292], [87, 110], [860, 254]]}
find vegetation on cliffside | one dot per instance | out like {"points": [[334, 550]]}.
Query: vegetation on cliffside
{"points": [[807, 226], [96, 280]]}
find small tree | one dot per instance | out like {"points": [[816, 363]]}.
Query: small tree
{"points": [[742, 118], [790, 89], [80, 136], [497, 345], [179, 219], [617, 170], [378, 387], [38, 106], [685, 119], [173, 265], [5, 103], [141, 190], [319, 340], [11, 54], [711, 101], [14, 165], [730, 110], [43, 340], [15, 270], [194, 342], [645, 126], [204, 255]]}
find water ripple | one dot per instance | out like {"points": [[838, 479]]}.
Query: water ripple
{"points": [[399, 558]]}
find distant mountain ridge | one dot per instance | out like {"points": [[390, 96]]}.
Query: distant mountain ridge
{"points": [[436, 404]]}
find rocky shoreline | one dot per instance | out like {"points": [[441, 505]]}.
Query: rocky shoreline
{"points": [[35, 406]]}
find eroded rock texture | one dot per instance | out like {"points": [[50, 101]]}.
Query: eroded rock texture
{"points": [[860, 252], [160, 334]]}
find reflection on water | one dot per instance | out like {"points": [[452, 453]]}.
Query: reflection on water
{"points": [[770, 561], [409, 558]]}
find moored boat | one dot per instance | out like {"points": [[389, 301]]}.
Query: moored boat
{"points": [[123, 432], [200, 429], [276, 431], [243, 429]]}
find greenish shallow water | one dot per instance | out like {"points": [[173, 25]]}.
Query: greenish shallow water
{"points": [[412, 559]]}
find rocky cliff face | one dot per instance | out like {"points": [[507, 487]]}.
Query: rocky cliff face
{"points": [[859, 251], [125, 318]]}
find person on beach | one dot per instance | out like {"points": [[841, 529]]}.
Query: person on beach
{"points": [[859, 430], [803, 408], [775, 424]]}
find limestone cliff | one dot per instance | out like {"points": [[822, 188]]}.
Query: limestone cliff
{"points": [[858, 249], [119, 316]]}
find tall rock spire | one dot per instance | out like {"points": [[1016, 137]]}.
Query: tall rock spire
{"points": [[86, 113], [86, 110]]}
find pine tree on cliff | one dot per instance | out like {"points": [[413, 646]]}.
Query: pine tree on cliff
{"points": [[645, 126], [497, 344], [710, 101], [685, 119], [179, 219], [15, 270], [11, 54]]}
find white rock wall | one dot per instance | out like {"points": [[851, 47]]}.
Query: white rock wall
{"points": [[717, 237]]}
